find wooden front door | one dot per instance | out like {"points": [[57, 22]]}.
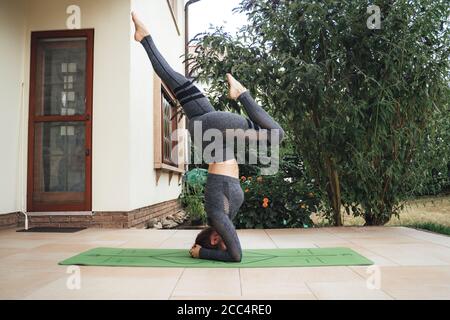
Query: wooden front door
{"points": [[60, 121]]}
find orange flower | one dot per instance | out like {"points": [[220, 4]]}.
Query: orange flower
{"points": [[265, 202], [249, 178], [310, 194], [247, 190], [243, 178], [303, 206], [259, 179]]}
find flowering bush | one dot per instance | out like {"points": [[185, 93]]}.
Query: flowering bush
{"points": [[284, 200]]}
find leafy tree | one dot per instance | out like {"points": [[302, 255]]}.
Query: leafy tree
{"points": [[356, 102], [433, 161]]}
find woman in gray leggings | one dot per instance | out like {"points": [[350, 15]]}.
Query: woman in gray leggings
{"points": [[223, 193]]}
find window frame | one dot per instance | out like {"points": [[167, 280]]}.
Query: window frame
{"points": [[158, 135], [173, 122]]}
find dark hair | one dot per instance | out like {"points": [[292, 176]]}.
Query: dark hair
{"points": [[204, 238]]}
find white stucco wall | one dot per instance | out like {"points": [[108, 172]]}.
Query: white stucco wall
{"points": [[110, 151], [155, 14], [123, 175], [12, 29]]}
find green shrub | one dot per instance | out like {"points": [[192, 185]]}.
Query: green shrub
{"points": [[192, 197], [195, 209]]}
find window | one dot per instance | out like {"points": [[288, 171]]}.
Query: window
{"points": [[169, 125], [173, 7], [168, 150]]}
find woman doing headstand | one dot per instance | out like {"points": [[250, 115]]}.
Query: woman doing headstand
{"points": [[223, 193]]}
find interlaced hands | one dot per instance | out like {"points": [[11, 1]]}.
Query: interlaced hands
{"points": [[195, 251]]}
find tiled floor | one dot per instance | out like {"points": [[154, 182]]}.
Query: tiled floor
{"points": [[409, 264]]}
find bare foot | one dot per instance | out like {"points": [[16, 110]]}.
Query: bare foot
{"points": [[141, 29], [236, 88]]}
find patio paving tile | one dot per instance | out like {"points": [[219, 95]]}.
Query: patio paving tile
{"points": [[422, 254], [269, 277], [20, 283], [33, 262], [75, 247], [294, 238], [18, 243], [181, 239], [346, 290], [426, 236], [113, 283], [208, 282], [384, 239], [267, 296], [138, 234], [255, 239], [414, 282], [4, 252], [291, 282], [413, 265]]}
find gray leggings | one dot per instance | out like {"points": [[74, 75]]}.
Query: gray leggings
{"points": [[198, 108], [223, 194]]}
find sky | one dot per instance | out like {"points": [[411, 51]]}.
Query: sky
{"points": [[216, 12]]}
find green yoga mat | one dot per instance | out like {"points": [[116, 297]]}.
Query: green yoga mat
{"points": [[256, 258]]}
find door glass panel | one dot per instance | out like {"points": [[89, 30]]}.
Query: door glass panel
{"points": [[60, 77], [59, 166]]}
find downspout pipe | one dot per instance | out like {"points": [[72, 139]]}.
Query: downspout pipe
{"points": [[186, 33], [186, 49], [26, 219], [21, 155]]}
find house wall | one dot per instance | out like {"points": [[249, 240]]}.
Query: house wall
{"points": [[143, 187], [12, 29], [110, 151], [123, 176]]}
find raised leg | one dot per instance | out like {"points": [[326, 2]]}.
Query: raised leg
{"points": [[190, 97], [260, 119]]}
